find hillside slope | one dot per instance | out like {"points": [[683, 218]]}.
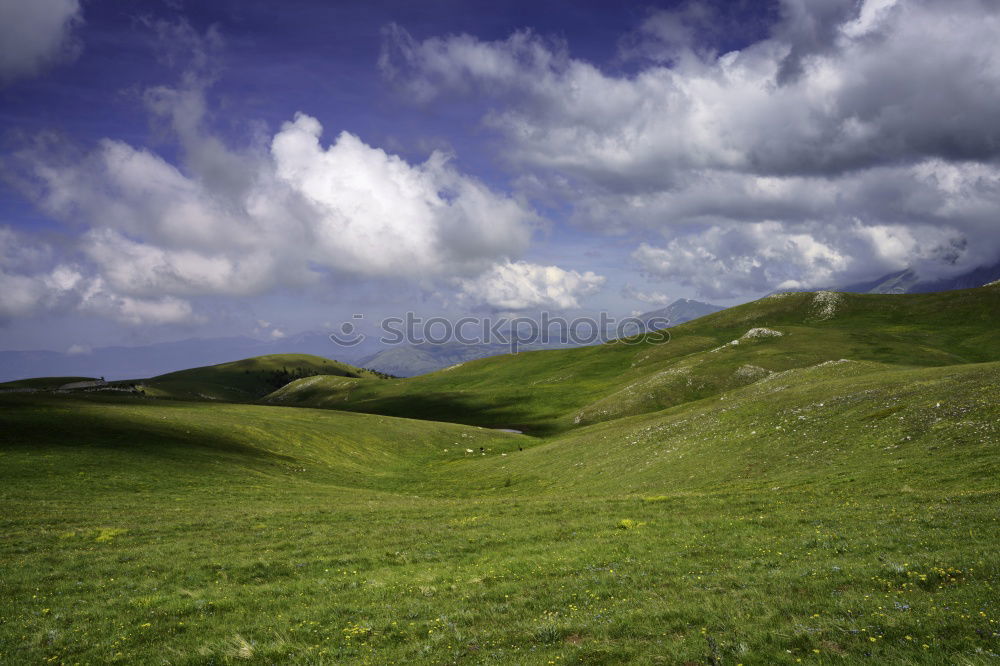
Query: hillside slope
{"points": [[247, 379], [146, 442], [839, 426], [552, 391], [804, 426]]}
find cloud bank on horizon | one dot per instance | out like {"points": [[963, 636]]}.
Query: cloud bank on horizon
{"points": [[849, 140]]}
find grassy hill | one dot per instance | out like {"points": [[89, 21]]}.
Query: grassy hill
{"points": [[42, 383], [248, 379], [552, 391], [840, 508]]}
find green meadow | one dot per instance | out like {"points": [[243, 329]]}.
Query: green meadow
{"points": [[823, 491]]}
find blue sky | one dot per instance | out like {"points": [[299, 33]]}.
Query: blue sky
{"points": [[178, 169]]}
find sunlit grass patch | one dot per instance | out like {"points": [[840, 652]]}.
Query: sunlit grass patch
{"points": [[106, 534]]}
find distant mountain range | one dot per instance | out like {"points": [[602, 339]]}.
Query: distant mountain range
{"points": [[120, 362], [678, 312], [908, 281], [156, 359], [401, 360]]}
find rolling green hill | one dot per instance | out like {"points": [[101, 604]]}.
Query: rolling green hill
{"points": [[551, 391], [248, 379], [822, 496]]}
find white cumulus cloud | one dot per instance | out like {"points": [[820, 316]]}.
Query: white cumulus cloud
{"points": [[152, 236], [33, 281], [729, 260], [292, 213], [98, 300], [520, 285], [375, 214], [630, 292], [30, 280]]}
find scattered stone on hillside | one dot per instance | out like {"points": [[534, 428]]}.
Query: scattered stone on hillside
{"points": [[753, 333], [773, 376], [825, 304], [995, 283], [751, 373], [761, 333], [731, 343]]}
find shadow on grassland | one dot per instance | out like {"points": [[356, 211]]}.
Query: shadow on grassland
{"points": [[475, 410], [39, 423]]}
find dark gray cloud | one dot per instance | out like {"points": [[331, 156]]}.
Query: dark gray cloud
{"points": [[34, 34], [809, 28], [862, 136], [837, 87]]}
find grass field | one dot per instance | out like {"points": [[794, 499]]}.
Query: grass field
{"points": [[821, 511]]}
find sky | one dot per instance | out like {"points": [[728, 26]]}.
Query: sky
{"points": [[173, 169]]}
